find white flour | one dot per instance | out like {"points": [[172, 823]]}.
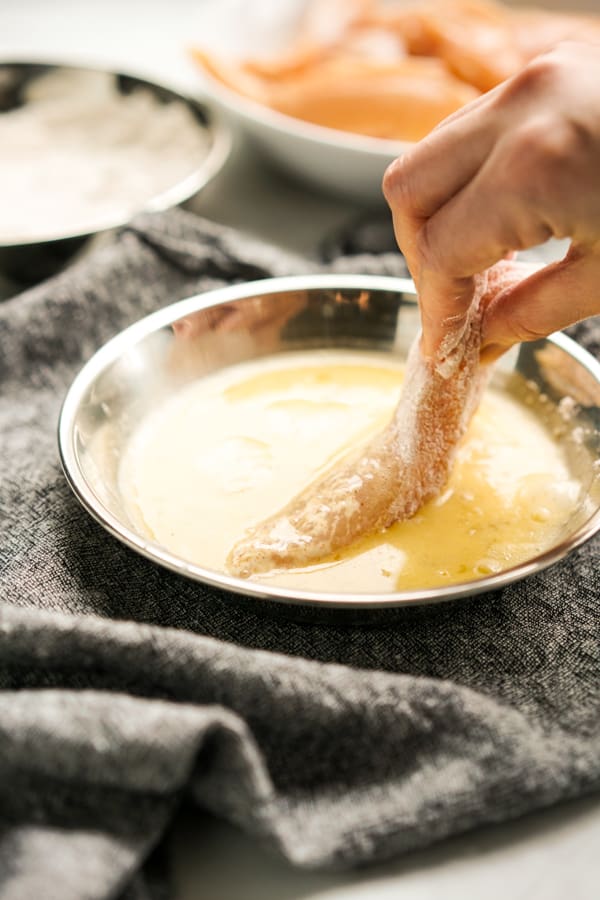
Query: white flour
{"points": [[79, 155]]}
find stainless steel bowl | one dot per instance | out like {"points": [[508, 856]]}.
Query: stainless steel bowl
{"points": [[30, 260], [162, 353]]}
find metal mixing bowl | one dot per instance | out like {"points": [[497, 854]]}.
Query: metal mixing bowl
{"points": [[29, 260], [162, 353]]}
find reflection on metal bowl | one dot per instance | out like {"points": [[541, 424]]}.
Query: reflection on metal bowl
{"points": [[150, 362]]}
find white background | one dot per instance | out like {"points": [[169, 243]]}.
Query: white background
{"points": [[547, 856]]}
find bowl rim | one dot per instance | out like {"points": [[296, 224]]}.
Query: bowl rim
{"points": [[111, 351], [220, 145]]}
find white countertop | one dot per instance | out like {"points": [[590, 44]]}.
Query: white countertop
{"points": [[547, 856]]}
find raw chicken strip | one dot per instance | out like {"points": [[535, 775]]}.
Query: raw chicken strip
{"points": [[400, 469], [401, 99], [394, 70], [474, 38]]}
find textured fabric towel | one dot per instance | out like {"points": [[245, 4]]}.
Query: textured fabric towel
{"points": [[127, 690]]}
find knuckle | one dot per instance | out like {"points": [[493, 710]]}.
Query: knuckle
{"points": [[441, 256], [554, 142], [523, 231], [538, 167], [399, 184], [522, 330], [537, 148], [537, 77], [428, 250]]}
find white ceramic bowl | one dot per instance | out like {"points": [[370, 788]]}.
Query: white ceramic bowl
{"points": [[348, 165]]}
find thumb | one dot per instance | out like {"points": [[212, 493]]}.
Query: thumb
{"points": [[550, 299]]}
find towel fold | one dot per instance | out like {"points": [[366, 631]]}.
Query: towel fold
{"points": [[126, 689]]}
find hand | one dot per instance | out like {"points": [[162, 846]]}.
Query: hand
{"points": [[518, 165]]}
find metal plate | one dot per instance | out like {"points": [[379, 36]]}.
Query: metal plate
{"points": [[162, 353]]}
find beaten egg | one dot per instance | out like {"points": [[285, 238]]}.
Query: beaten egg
{"points": [[234, 447]]}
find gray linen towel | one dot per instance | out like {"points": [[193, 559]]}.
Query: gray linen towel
{"points": [[127, 690]]}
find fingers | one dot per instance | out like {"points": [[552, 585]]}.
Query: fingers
{"points": [[446, 317], [421, 180], [513, 168], [483, 100], [495, 213], [416, 186], [552, 298], [444, 303]]}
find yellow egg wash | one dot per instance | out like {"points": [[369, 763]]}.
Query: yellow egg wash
{"points": [[236, 446]]}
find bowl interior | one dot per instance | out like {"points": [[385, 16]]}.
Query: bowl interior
{"points": [[170, 349], [60, 102]]}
